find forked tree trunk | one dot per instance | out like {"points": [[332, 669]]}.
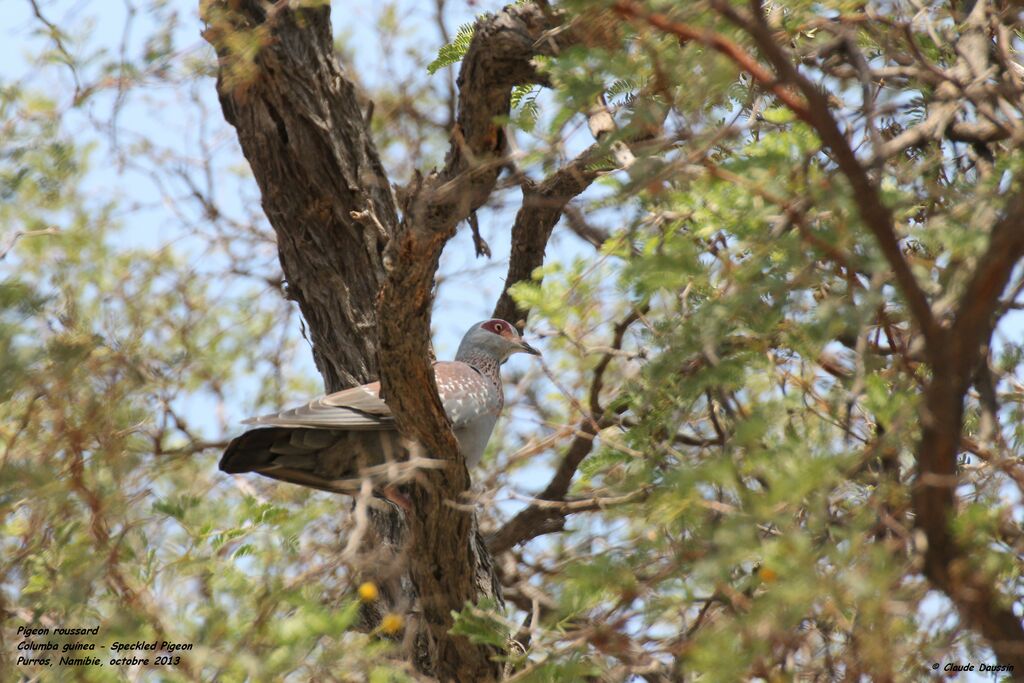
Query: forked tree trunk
{"points": [[363, 276]]}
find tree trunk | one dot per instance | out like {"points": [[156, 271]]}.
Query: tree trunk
{"points": [[363, 278], [303, 134]]}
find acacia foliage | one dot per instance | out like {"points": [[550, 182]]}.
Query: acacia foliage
{"points": [[821, 170], [141, 315], [108, 517], [734, 370]]}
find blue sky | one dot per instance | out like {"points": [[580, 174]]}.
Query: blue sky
{"points": [[170, 113], [165, 114]]}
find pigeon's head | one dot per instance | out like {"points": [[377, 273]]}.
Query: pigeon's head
{"points": [[494, 339]]}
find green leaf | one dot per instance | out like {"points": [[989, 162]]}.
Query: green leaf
{"points": [[453, 52]]}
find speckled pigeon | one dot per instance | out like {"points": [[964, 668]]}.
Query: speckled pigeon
{"points": [[325, 443]]}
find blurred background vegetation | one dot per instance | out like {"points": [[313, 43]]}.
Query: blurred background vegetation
{"points": [[713, 309]]}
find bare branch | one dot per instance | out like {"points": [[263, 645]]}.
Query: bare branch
{"points": [[539, 519], [13, 239], [542, 208], [58, 42], [544, 204], [577, 222]]}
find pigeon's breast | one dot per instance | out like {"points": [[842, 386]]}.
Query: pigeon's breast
{"points": [[473, 438]]}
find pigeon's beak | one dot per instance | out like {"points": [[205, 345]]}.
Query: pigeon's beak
{"points": [[526, 348]]}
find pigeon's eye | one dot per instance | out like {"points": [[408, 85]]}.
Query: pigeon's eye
{"points": [[498, 327]]}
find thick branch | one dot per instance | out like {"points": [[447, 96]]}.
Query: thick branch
{"points": [[541, 210], [544, 204], [577, 222], [441, 529], [935, 491], [322, 184], [341, 244], [953, 356]]}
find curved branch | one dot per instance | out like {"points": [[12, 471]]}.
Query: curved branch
{"points": [[953, 355], [540, 517], [810, 105], [873, 211], [544, 204], [743, 59], [935, 491], [440, 528], [541, 210]]}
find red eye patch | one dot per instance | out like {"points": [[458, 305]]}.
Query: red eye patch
{"points": [[496, 326]]}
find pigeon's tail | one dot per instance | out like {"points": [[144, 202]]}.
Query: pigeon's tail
{"points": [[327, 459], [252, 450]]}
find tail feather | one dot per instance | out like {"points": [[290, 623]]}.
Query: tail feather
{"points": [[331, 460], [252, 450]]}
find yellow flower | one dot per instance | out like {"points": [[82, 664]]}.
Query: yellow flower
{"points": [[368, 592], [391, 624]]}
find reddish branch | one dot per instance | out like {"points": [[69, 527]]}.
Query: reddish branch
{"points": [[873, 211], [953, 356], [962, 349], [814, 110], [716, 41]]}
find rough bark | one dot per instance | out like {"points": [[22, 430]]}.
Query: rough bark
{"points": [[963, 347], [546, 201], [441, 527], [300, 127], [362, 278], [542, 208]]}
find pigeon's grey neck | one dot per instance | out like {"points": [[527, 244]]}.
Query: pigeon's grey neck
{"points": [[486, 363]]}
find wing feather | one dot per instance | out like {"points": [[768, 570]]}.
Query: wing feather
{"points": [[465, 393], [358, 408], [328, 442]]}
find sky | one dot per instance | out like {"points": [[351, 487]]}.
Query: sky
{"points": [[173, 113], [471, 285]]}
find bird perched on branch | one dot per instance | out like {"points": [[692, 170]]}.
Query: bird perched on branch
{"points": [[333, 442]]}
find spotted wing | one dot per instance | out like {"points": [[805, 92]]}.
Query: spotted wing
{"points": [[331, 441], [466, 394]]}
